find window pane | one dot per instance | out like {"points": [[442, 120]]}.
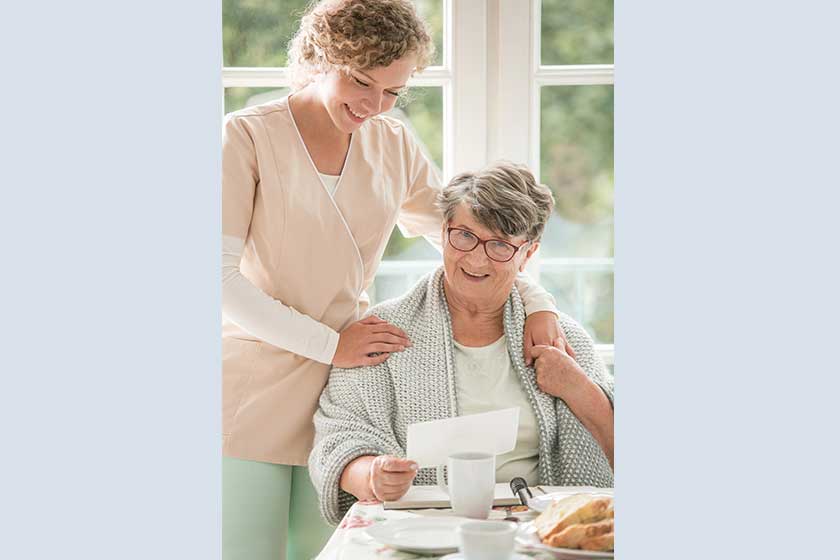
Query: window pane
{"points": [[394, 279], [584, 295], [576, 162], [432, 12], [597, 316], [240, 97], [561, 283], [577, 32], [257, 32], [423, 115], [422, 112]]}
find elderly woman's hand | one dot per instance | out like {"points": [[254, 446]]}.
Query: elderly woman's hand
{"points": [[541, 328], [391, 477], [378, 477], [558, 374]]}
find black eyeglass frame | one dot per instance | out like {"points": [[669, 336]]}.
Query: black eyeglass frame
{"points": [[480, 241]]}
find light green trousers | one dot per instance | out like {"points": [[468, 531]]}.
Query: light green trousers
{"points": [[270, 512]]}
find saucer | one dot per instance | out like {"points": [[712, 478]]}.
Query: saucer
{"points": [[459, 556], [423, 535]]}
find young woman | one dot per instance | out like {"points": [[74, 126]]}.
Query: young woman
{"points": [[312, 187]]}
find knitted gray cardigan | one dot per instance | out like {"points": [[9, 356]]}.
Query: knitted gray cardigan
{"points": [[365, 411]]}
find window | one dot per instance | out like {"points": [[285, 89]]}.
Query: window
{"points": [[524, 80], [573, 77], [551, 105]]}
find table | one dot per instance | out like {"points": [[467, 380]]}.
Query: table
{"points": [[351, 542]]}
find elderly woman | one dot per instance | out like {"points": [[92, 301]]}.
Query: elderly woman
{"points": [[466, 322]]}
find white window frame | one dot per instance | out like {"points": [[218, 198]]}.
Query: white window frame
{"points": [[514, 80]]}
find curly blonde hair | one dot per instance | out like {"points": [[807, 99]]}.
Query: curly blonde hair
{"points": [[357, 34]]}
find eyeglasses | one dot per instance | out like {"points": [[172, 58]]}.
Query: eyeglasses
{"points": [[495, 249]]}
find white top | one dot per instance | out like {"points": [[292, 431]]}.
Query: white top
{"points": [[485, 381], [330, 181]]}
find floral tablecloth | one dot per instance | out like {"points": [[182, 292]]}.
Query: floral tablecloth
{"points": [[351, 542]]}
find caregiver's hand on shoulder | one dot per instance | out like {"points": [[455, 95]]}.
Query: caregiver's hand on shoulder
{"points": [[369, 336], [542, 328], [391, 477], [558, 374]]}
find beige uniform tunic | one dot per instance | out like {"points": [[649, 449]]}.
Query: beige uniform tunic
{"points": [[313, 251]]}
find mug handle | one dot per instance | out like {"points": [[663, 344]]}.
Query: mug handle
{"points": [[441, 483]]}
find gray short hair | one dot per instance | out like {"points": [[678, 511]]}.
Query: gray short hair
{"points": [[503, 197]]}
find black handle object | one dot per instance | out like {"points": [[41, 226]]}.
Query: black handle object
{"points": [[520, 488]]}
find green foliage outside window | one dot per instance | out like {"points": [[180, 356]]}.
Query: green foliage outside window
{"points": [[257, 32], [577, 32]]}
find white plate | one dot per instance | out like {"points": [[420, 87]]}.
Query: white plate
{"points": [[459, 556], [426, 535], [526, 536], [541, 503]]}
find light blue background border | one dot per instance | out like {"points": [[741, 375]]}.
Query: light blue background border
{"points": [[726, 282], [110, 286], [726, 279]]}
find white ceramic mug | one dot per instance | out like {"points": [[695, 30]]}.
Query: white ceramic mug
{"points": [[472, 483], [486, 540]]}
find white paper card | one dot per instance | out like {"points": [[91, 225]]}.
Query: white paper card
{"points": [[430, 443]]}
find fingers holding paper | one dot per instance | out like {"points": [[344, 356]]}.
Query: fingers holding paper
{"points": [[391, 477]]}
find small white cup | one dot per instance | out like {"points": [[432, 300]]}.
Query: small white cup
{"points": [[472, 483], [486, 540]]}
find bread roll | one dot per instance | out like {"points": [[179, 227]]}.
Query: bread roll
{"points": [[601, 542], [572, 536], [571, 510]]}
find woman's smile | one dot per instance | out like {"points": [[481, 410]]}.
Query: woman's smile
{"points": [[474, 277], [355, 117]]}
